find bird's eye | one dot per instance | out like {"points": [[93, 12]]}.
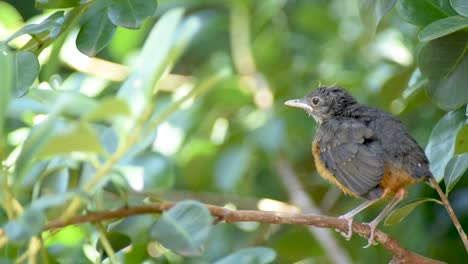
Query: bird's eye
{"points": [[315, 101]]}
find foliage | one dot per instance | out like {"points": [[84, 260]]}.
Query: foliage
{"points": [[109, 103]]}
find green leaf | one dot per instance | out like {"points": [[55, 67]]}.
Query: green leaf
{"points": [[461, 142], [107, 109], [171, 40], [137, 88], [10, 17], [6, 85], [131, 13], [38, 136], [117, 240], [441, 145], [26, 69], [135, 227], [461, 6], [79, 137], [69, 236], [46, 26], [444, 61], [397, 215], [184, 228], [232, 164], [77, 107], [416, 82], [443, 27], [423, 12], [53, 4], [255, 255], [158, 171], [455, 168], [95, 34], [27, 225], [372, 11], [48, 201]]}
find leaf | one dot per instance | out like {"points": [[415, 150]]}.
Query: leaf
{"points": [[27, 225], [79, 137], [254, 255], [38, 136], [461, 142], [117, 240], [48, 201], [441, 145], [372, 11], [55, 4], [107, 109], [416, 82], [48, 25], [443, 27], [158, 171], [95, 34], [26, 69], [137, 88], [461, 6], [231, 166], [10, 18], [397, 215], [69, 236], [444, 61], [171, 40], [135, 227], [184, 228], [6, 85], [131, 13], [455, 168], [423, 12]]}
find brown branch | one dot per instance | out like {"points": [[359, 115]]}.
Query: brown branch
{"points": [[450, 212], [400, 254]]}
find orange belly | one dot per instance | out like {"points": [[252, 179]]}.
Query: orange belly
{"points": [[394, 179]]}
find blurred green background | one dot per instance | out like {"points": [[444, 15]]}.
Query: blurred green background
{"points": [[196, 112]]}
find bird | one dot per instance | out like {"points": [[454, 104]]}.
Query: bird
{"points": [[367, 152]]}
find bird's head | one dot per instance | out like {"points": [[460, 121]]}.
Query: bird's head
{"points": [[325, 102]]}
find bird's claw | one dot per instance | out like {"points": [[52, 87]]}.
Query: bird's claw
{"points": [[349, 234], [222, 217], [371, 241]]}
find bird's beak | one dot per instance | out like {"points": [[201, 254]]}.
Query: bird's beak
{"points": [[299, 103]]}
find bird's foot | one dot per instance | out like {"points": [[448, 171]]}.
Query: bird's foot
{"points": [[371, 241], [222, 217], [349, 220]]}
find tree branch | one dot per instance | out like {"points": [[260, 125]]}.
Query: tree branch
{"points": [[400, 254], [450, 212]]}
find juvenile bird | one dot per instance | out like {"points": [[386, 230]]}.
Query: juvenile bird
{"points": [[365, 151]]}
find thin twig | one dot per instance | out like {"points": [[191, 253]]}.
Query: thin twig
{"points": [[400, 254], [106, 244], [450, 211], [142, 122]]}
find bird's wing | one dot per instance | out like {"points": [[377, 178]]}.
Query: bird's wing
{"points": [[351, 153]]}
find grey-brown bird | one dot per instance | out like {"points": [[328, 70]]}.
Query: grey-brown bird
{"points": [[365, 151]]}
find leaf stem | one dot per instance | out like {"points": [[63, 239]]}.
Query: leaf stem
{"points": [[106, 244]]}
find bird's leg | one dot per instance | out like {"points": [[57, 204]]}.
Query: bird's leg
{"points": [[350, 215], [399, 195]]}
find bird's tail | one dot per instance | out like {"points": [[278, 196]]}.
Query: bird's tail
{"points": [[450, 211]]}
